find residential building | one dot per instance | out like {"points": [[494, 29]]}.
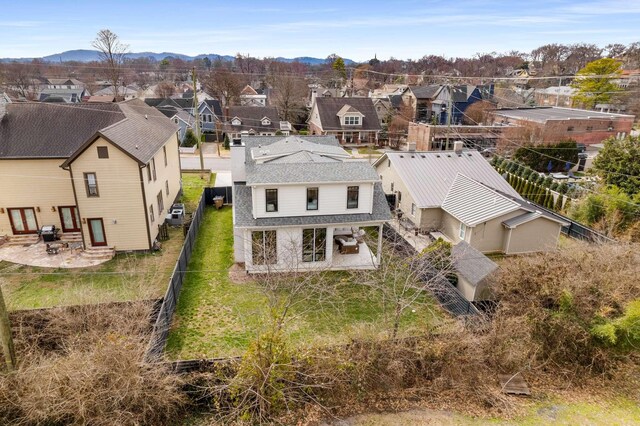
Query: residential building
{"points": [[63, 90], [107, 173], [457, 194], [250, 97], [433, 103], [251, 120], [124, 92], [560, 96], [301, 203], [429, 137], [181, 111], [553, 124], [353, 121], [317, 90]]}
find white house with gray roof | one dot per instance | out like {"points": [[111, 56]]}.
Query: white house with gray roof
{"points": [[459, 195], [301, 203]]}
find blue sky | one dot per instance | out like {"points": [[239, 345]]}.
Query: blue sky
{"points": [[355, 29]]}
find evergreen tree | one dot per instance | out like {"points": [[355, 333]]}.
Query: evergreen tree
{"points": [[558, 206]]}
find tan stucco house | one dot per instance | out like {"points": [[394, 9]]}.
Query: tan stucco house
{"points": [[458, 195], [106, 173]]}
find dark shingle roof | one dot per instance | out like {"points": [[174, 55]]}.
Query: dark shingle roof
{"points": [[425, 92], [215, 106], [328, 109], [471, 264], [251, 117], [40, 130], [48, 130], [244, 218]]}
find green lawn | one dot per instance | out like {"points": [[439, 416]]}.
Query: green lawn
{"points": [[216, 317], [125, 277], [367, 150], [192, 186]]}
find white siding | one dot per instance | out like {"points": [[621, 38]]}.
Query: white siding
{"points": [[332, 200]]}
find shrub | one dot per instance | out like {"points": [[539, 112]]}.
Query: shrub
{"points": [[190, 139]]}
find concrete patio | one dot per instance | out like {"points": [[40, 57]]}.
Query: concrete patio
{"points": [[365, 259], [36, 255]]}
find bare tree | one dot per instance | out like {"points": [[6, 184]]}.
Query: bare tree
{"points": [[21, 80], [406, 279], [112, 52], [165, 89], [225, 85], [289, 94]]}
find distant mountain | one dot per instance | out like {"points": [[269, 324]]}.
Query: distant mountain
{"points": [[85, 55]]}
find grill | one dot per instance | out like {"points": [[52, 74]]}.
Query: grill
{"points": [[49, 233]]}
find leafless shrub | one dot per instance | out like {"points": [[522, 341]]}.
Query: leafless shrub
{"points": [[82, 365]]}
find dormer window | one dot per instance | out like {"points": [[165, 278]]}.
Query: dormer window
{"points": [[351, 120], [236, 121], [265, 121]]}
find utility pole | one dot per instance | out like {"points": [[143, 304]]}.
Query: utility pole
{"points": [[558, 94], [196, 113], [5, 335], [449, 107]]}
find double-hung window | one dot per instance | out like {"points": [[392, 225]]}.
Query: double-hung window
{"points": [[164, 151], [91, 184], [312, 198], [314, 244], [463, 231], [351, 121], [264, 247], [160, 203], [271, 199], [353, 193], [153, 163]]}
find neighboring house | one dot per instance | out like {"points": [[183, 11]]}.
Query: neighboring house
{"points": [[474, 272], [554, 96], [181, 111], [126, 92], [458, 194], [429, 137], [300, 203], [388, 90], [100, 99], [107, 173], [353, 121], [319, 91], [250, 97], [4, 101], [431, 104], [248, 120], [66, 90], [383, 109], [553, 124]]}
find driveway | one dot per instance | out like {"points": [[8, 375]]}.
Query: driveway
{"points": [[215, 164]]}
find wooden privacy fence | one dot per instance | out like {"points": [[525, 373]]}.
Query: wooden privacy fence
{"points": [[165, 314]]}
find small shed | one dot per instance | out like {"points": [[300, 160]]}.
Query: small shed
{"points": [[474, 270]]}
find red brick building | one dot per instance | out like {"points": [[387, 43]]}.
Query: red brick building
{"points": [[553, 124]]}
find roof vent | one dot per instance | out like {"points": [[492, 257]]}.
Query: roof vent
{"points": [[146, 116], [423, 156], [449, 155], [437, 155], [136, 146], [413, 156], [402, 156]]}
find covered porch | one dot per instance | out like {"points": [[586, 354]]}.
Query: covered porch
{"points": [[351, 246]]}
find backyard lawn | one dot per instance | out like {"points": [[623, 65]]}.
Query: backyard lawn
{"points": [[217, 317], [125, 277]]}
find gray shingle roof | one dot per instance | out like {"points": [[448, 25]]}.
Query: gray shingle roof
{"points": [[41, 130], [328, 109], [472, 202], [251, 118], [295, 168], [244, 219], [429, 175], [311, 172], [471, 264]]}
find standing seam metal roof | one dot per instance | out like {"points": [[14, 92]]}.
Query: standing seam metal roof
{"points": [[472, 203], [429, 175]]}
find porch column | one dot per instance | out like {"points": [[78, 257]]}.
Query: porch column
{"points": [[379, 251]]}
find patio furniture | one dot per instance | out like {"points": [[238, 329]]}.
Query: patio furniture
{"points": [[54, 248], [347, 245], [359, 235]]}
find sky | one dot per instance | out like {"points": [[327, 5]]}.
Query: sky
{"points": [[358, 30]]}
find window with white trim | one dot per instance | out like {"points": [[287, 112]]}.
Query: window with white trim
{"points": [[351, 120], [463, 231]]}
